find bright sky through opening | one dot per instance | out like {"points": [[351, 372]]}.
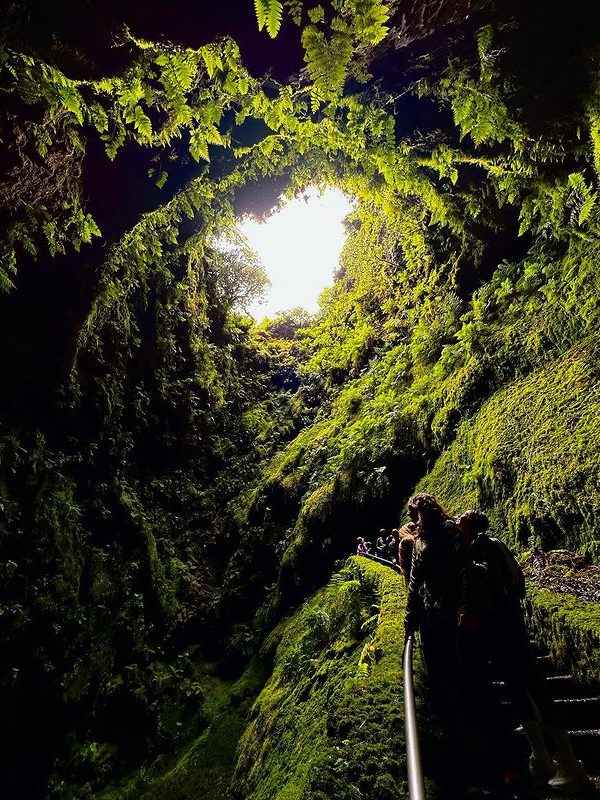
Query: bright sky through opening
{"points": [[299, 246]]}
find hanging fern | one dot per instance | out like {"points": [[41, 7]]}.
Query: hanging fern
{"points": [[274, 17], [370, 20], [327, 62], [294, 8], [261, 8], [268, 15]]}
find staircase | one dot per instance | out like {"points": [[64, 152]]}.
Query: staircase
{"points": [[576, 709]]}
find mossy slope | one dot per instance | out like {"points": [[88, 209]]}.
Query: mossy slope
{"points": [[203, 769], [530, 456], [570, 629], [329, 721]]}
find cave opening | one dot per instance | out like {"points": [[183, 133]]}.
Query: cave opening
{"points": [[298, 245], [181, 465]]}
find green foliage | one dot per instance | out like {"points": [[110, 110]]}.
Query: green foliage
{"points": [[203, 768], [530, 456], [190, 92], [570, 629], [478, 101], [318, 728], [459, 339], [327, 62], [240, 277], [268, 14]]}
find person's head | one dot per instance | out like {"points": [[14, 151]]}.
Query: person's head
{"points": [[472, 522], [382, 532], [360, 540], [425, 510], [395, 533]]}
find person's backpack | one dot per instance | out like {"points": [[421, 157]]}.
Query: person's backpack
{"points": [[504, 571]]}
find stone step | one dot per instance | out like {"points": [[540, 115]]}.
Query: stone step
{"points": [[592, 793], [564, 686], [586, 744], [577, 712]]}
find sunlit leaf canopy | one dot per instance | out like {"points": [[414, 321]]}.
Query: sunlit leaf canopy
{"points": [[332, 124], [199, 99]]}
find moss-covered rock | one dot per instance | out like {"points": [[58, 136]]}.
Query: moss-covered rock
{"points": [[531, 456], [329, 722], [201, 770], [570, 629]]}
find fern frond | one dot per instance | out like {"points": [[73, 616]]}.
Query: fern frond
{"points": [[362, 672], [261, 8], [327, 62], [274, 14], [484, 38], [586, 207], [337, 580], [199, 145], [368, 20], [294, 8]]}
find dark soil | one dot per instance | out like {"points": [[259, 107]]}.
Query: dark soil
{"points": [[562, 571]]}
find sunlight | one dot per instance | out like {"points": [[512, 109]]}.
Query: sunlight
{"points": [[299, 246]]}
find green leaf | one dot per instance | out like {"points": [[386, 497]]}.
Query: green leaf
{"points": [[98, 117], [213, 135], [274, 14], [142, 124], [71, 100], [185, 70], [212, 59], [261, 10], [294, 8], [199, 145], [316, 14]]}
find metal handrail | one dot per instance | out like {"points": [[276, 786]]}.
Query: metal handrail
{"points": [[381, 561], [416, 784]]}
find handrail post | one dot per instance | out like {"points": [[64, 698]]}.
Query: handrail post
{"points": [[416, 787]]}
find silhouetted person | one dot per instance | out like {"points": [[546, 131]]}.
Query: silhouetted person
{"points": [[392, 546], [381, 547], [439, 602], [363, 547], [505, 639]]}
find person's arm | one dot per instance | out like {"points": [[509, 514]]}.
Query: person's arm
{"points": [[413, 602], [405, 551]]}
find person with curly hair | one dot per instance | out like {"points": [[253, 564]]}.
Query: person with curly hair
{"points": [[441, 602]]}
